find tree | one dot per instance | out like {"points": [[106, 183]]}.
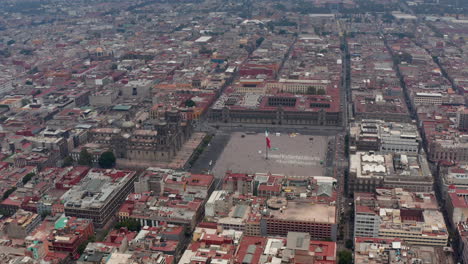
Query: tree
{"points": [[85, 158], [345, 257], [28, 82], [280, 7], [7, 193], [45, 214], [349, 244], [259, 41], [387, 17], [205, 50], [130, 224], [190, 103], [25, 102], [311, 90], [33, 70], [28, 177], [5, 53], [114, 66], [321, 92], [82, 247], [11, 42], [107, 160], [68, 161], [26, 52]]}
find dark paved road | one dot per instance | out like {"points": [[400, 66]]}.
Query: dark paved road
{"points": [[211, 153]]}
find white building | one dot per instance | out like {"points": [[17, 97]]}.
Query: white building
{"points": [[412, 217], [366, 222], [386, 137], [216, 199]]}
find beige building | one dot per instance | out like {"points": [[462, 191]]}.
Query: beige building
{"points": [[451, 147], [131, 142], [369, 171], [22, 223], [412, 217], [299, 86], [428, 99]]}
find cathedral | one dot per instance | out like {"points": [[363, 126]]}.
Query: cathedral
{"points": [[156, 139]]}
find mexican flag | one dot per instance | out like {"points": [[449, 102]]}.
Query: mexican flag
{"points": [[268, 142]]}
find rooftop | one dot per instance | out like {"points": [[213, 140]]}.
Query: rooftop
{"points": [[97, 188], [306, 211]]}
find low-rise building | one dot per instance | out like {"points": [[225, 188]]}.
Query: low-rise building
{"points": [[168, 239], [22, 223], [386, 137], [462, 232], [69, 234], [210, 245], [273, 205], [278, 109], [427, 98], [300, 86], [412, 217], [366, 220], [131, 258], [295, 248], [152, 210], [378, 250], [370, 170], [457, 205]]}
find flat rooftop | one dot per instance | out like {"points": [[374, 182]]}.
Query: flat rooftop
{"points": [[290, 154], [306, 211]]}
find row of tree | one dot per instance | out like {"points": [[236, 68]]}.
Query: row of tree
{"points": [[106, 160], [315, 91]]}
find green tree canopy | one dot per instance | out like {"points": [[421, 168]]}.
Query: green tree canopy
{"points": [[25, 102], [345, 257], [190, 103], [349, 244], [28, 177], [259, 41], [8, 192], [85, 158], [311, 90], [130, 224], [107, 160], [68, 161]]}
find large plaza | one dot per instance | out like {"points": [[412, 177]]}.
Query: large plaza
{"points": [[290, 154]]}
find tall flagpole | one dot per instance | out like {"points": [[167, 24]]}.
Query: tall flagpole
{"points": [[267, 139]]}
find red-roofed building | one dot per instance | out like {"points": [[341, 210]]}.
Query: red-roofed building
{"points": [[65, 178], [120, 236], [164, 238], [250, 245], [211, 246], [189, 183], [153, 210], [301, 250], [67, 239], [457, 205]]}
